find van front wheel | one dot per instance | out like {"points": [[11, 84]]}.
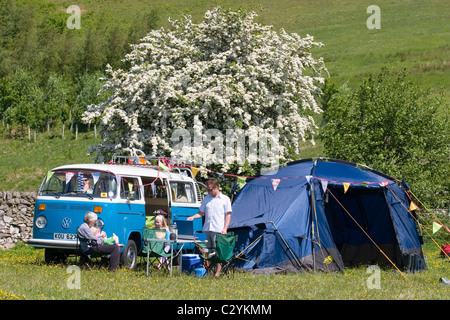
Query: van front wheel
{"points": [[129, 255]]}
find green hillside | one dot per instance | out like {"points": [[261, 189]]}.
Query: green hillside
{"points": [[413, 35]]}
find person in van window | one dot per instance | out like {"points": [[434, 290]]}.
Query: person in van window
{"points": [[90, 244], [87, 188], [216, 208]]}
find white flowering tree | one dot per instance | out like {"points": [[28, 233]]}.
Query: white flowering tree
{"points": [[196, 81]]}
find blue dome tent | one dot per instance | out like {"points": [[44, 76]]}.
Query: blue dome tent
{"points": [[324, 214]]}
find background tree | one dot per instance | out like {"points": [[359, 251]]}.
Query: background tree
{"points": [[388, 123], [87, 92], [55, 98], [7, 97], [227, 72]]}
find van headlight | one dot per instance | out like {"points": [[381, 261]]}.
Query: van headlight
{"points": [[41, 222]]}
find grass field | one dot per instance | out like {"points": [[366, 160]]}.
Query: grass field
{"points": [[24, 275]]}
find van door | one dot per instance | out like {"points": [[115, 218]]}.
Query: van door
{"points": [[185, 203], [156, 198], [130, 215]]}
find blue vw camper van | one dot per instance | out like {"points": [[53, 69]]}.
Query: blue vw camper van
{"points": [[124, 197]]}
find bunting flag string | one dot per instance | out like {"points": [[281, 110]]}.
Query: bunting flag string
{"points": [[166, 164], [195, 170]]}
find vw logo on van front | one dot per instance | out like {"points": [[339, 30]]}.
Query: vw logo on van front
{"points": [[66, 223]]}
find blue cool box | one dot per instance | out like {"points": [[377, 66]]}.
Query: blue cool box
{"points": [[200, 272], [190, 262]]}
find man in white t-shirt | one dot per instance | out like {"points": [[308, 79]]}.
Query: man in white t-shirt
{"points": [[216, 208]]}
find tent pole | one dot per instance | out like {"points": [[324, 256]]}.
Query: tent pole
{"points": [[287, 246], [313, 236], [312, 245]]}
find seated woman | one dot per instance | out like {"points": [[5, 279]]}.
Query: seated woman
{"points": [[92, 244], [87, 188]]}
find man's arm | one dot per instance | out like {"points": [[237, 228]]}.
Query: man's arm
{"points": [[227, 222], [196, 216]]}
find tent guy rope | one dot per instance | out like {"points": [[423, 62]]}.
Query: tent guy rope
{"points": [[362, 229]]}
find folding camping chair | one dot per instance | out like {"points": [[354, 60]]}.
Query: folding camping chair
{"points": [[85, 258], [154, 250], [224, 252]]}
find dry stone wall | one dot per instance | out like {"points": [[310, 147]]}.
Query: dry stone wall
{"points": [[16, 217]]}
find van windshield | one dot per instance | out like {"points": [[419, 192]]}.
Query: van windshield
{"points": [[80, 183]]}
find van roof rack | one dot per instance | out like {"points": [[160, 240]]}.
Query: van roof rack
{"points": [[154, 162]]}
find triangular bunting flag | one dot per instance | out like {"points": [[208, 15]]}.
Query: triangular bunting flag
{"points": [[324, 185], [162, 166], [308, 178], [275, 183], [95, 176], [69, 176], [50, 175], [194, 171], [168, 163], [346, 186], [413, 207], [241, 181], [153, 189], [436, 227], [383, 184]]}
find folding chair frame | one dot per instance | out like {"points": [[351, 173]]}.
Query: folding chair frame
{"points": [[86, 259], [154, 255], [210, 262]]}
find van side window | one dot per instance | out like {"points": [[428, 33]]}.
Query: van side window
{"points": [[129, 188], [156, 190], [182, 191]]}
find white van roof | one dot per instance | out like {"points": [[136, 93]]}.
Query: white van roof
{"points": [[125, 169]]}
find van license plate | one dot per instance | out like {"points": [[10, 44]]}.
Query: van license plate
{"points": [[64, 236]]}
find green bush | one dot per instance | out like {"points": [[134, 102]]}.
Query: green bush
{"points": [[391, 125]]}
